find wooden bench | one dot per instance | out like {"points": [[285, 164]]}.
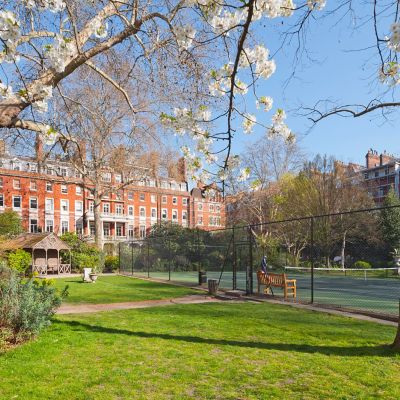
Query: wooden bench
{"points": [[271, 280]]}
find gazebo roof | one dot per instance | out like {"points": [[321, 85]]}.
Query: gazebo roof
{"points": [[32, 241]]}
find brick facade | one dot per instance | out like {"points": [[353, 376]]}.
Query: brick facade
{"points": [[56, 199]]}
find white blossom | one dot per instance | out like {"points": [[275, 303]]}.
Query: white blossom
{"points": [[48, 135], [258, 56], [60, 53], [99, 29], [184, 36], [227, 20], [6, 91], [266, 102], [249, 121], [51, 5], [316, 4], [279, 127], [394, 40], [244, 174]]}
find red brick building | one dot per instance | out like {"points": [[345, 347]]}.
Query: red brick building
{"points": [[381, 173], [53, 197]]}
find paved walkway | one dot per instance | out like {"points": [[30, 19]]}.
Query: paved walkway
{"points": [[91, 308]]}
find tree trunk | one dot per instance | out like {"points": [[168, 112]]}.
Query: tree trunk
{"points": [[343, 249], [98, 234]]}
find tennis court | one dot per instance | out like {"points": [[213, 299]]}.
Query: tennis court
{"points": [[369, 293]]}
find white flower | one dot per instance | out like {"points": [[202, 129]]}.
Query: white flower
{"points": [[222, 174], [51, 5], [60, 53], [226, 21], [316, 4], [258, 56], [6, 91], [184, 36], [279, 127], [248, 123], [394, 40], [244, 174], [48, 135], [98, 28], [266, 102]]}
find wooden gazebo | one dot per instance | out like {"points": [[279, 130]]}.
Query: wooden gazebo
{"points": [[45, 249]]}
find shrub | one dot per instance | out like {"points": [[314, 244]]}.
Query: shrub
{"points": [[83, 255], [111, 263], [19, 260], [362, 264], [26, 307]]}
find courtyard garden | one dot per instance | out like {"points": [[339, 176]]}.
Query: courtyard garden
{"points": [[204, 351]]}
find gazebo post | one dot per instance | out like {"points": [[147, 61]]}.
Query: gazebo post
{"points": [[47, 260], [70, 261], [58, 262]]}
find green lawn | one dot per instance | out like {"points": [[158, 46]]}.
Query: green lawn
{"points": [[114, 289], [205, 351]]}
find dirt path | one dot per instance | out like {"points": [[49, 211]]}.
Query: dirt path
{"points": [[91, 308]]}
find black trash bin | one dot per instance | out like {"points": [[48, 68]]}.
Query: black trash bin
{"points": [[202, 277]]}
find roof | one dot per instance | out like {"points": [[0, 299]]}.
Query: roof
{"points": [[32, 241]]}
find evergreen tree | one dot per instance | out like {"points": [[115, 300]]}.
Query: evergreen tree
{"points": [[390, 220], [10, 223]]}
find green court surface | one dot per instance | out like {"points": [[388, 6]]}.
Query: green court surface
{"points": [[376, 294]]}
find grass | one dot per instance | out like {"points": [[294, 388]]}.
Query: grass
{"points": [[207, 351], [114, 289]]}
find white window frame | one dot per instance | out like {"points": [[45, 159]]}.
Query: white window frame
{"points": [[19, 183], [164, 210], [153, 198], [131, 211], [20, 202], [1, 200], [33, 186], [30, 203], [106, 205], [153, 209], [62, 202], [81, 206], [142, 210], [64, 222], [52, 204], [47, 225]]}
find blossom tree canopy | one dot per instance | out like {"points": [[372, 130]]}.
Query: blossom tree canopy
{"points": [[208, 50]]}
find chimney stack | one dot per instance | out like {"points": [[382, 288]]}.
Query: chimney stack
{"points": [[372, 159]]}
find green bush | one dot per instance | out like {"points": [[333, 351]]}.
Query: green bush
{"points": [[83, 255], [26, 307], [362, 264], [19, 260], [111, 263]]}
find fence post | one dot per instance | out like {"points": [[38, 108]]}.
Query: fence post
{"points": [[312, 258], [119, 258], [132, 259], [148, 258], [249, 279], [169, 259], [234, 276]]}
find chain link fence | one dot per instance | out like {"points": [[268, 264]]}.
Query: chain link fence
{"points": [[338, 260]]}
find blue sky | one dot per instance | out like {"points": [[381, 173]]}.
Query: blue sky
{"points": [[339, 73]]}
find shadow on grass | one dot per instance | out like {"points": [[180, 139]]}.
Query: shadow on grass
{"points": [[350, 351]]}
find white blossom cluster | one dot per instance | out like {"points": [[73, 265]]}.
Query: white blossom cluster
{"points": [[316, 4], [6, 91], [48, 135], [10, 33], [249, 121], [51, 5], [184, 36], [223, 23], [258, 56], [279, 127], [266, 102], [244, 174], [187, 122], [390, 74], [394, 40], [43, 94], [98, 28], [60, 53]]}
